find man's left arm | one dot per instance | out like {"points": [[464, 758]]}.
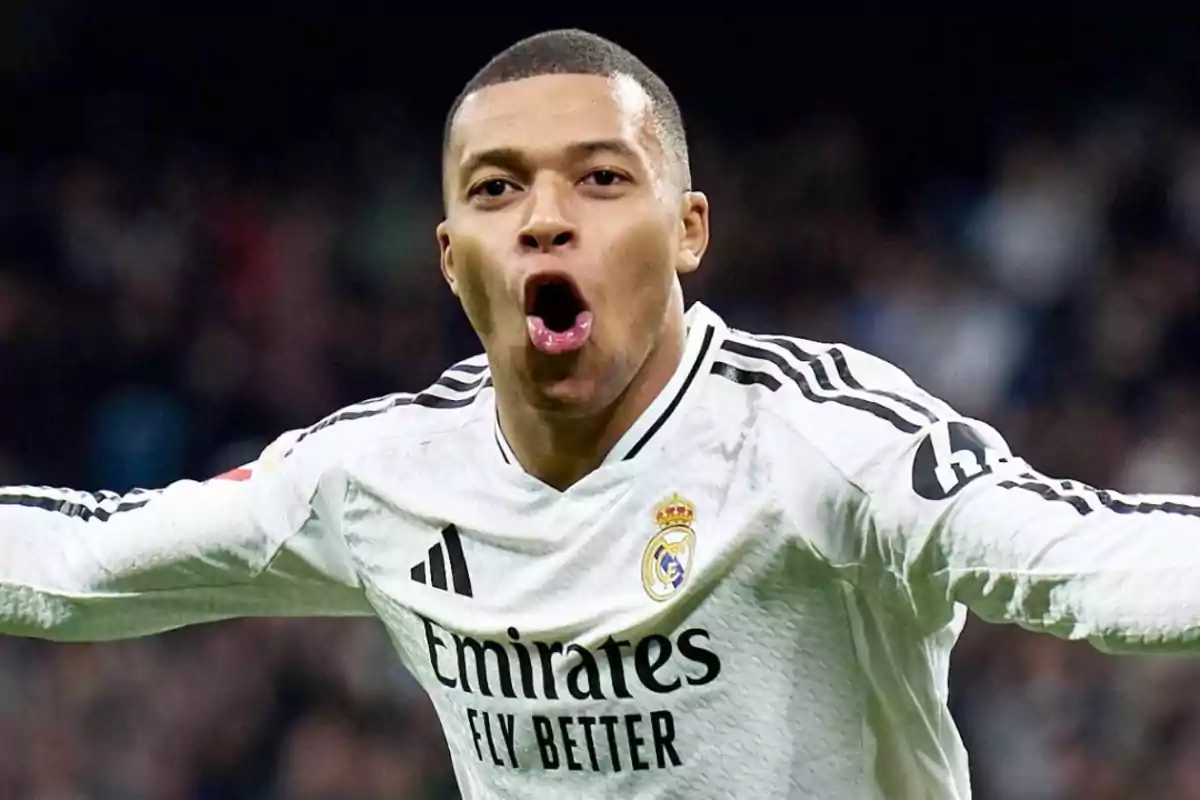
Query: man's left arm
{"points": [[960, 519]]}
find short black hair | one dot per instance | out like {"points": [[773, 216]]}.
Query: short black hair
{"points": [[570, 51]]}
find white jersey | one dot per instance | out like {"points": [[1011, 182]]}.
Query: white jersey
{"points": [[755, 595]]}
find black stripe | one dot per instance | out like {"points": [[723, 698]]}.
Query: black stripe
{"points": [[843, 370], [423, 399], [437, 401], [1147, 507], [745, 377], [445, 380], [417, 573], [437, 567], [1105, 498], [500, 447], [471, 369], [1048, 493], [455, 384], [658, 423], [458, 563], [798, 378], [70, 508], [803, 355]]}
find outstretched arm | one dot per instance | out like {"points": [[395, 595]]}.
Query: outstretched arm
{"points": [[962, 520], [261, 540]]}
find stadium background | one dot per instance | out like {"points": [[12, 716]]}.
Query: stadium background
{"points": [[216, 224]]}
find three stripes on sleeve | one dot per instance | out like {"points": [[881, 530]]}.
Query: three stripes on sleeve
{"points": [[770, 361]]}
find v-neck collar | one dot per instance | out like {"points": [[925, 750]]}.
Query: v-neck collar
{"points": [[702, 328]]}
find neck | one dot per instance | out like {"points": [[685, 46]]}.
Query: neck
{"points": [[560, 449]]}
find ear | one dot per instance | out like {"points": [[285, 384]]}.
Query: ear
{"points": [[447, 256], [693, 241]]}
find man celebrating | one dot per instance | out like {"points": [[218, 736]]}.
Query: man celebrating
{"points": [[628, 551]]}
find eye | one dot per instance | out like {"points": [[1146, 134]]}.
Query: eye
{"points": [[491, 188], [605, 178]]}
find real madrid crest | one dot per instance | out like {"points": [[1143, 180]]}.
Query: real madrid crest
{"points": [[667, 562]]}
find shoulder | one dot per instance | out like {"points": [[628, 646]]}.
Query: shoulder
{"points": [[848, 404], [449, 403]]}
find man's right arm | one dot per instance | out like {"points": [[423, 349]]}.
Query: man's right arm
{"points": [[259, 541]]}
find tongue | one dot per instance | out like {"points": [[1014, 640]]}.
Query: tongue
{"points": [[555, 342]]}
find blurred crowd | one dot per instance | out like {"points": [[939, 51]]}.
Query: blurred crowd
{"points": [[166, 316]]}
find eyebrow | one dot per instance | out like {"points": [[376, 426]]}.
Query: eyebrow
{"points": [[515, 158]]}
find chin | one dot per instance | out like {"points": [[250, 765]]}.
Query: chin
{"points": [[581, 384], [572, 396]]}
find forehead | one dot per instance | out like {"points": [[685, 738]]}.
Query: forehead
{"points": [[551, 111]]}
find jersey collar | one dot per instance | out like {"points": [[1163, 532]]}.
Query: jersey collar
{"points": [[702, 328]]}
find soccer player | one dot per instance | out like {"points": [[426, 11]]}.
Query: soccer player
{"points": [[629, 551]]}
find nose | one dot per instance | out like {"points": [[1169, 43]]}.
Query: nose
{"points": [[547, 228]]}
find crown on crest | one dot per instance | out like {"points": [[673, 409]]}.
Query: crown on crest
{"points": [[676, 512]]}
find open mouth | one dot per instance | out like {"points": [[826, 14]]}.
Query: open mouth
{"points": [[556, 316]]}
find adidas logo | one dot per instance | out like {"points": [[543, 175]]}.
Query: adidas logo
{"points": [[432, 570]]}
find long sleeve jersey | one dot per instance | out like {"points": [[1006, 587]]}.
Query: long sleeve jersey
{"points": [[755, 595]]}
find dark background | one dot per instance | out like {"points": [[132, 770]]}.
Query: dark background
{"points": [[931, 91], [216, 223]]}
